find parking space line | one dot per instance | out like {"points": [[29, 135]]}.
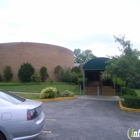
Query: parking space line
{"points": [[46, 132], [50, 119]]}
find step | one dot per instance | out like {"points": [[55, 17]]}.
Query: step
{"points": [[105, 90]]}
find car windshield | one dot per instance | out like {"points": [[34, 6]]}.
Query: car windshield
{"points": [[10, 97]]}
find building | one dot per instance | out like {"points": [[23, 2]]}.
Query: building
{"points": [[92, 70], [38, 54]]}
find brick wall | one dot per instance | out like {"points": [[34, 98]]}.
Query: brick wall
{"points": [[15, 54]]}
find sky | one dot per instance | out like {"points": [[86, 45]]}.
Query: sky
{"points": [[73, 24]]}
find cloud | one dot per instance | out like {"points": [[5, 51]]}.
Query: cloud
{"points": [[100, 44], [72, 23]]}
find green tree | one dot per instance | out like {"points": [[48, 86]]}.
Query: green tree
{"points": [[43, 73], [127, 65], [1, 79], [76, 70], [67, 76], [70, 77], [77, 57], [58, 72], [7, 73], [83, 56], [74, 77], [25, 72]]}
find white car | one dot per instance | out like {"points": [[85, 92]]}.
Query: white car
{"points": [[20, 118]]}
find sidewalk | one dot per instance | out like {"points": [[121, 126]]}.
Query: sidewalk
{"points": [[101, 97], [24, 92], [91, 97]]}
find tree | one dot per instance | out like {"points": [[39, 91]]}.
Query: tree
{"points": [[58, 72], [83, 56], [43, 73], [1, 78], [7, 73], [76, 70], [77, 56], [127, 65], [67, 76], [25, 72]]}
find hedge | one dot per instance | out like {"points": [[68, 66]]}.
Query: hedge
{"points": [[132, 102]]}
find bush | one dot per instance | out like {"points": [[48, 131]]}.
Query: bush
{"points": [[132, 102], [1, 78], [51, 81], [25, 72], [49, 92], [66, 76], [36, 78], [67, 93], [80, 75], [58, 72], [128, 91], [76, 70], [7, 73], [74, 77], [43, 73]]}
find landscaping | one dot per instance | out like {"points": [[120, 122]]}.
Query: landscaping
{"points": [[131, 98], [28, 88]]}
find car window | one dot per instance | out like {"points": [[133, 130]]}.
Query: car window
{"points": [[10, 97]]}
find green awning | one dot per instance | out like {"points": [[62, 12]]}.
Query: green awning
{"points": [[96, 64]]}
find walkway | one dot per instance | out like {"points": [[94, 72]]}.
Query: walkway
{"points": [[101, 97], [91, 97]]}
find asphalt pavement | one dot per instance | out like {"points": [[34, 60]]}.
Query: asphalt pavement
{"points": [[86, 119]]}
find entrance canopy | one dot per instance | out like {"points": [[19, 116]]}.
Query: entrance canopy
{"points": [[96, 64], [92, 71]]}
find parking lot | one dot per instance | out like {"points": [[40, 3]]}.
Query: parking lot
{"points": [[85, 119]]}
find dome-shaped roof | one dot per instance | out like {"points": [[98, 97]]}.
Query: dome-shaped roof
{"points": [[96, 64]]}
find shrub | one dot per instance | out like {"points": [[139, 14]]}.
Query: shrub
{"points": [[51, 81], [58, 72], [67, 93], [36, 78], [7, 73], [76, 69], [25, 72], [43, 73], [132, 102], [66, 76], [49, 92], [80, 75], [74, 77], [1, 78], [128, 91]]}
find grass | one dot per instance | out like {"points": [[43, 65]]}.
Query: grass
{"points": [[36, 88], [28, 96]]}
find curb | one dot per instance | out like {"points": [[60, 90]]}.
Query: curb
{"points": [[56, 99], [128, 109]]}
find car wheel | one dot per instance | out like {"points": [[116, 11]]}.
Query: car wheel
{"points": [[2, 137]]}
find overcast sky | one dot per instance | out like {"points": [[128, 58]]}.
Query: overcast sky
{"points": [[84, 24]]}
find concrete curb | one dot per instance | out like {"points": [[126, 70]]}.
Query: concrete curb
{"points": [[56, 99], [128, 109]]}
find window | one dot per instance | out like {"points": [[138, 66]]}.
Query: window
{"points": [[11, 97]]}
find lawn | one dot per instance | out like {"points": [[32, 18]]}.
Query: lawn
{"points": [[36, 88], [28, 96]]}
